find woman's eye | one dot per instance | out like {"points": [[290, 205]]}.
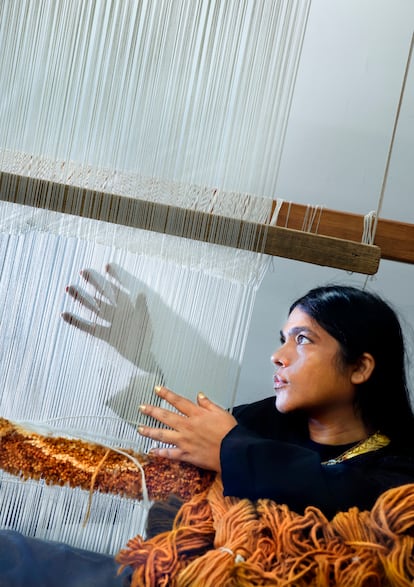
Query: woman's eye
{"points": [[302, 339]]}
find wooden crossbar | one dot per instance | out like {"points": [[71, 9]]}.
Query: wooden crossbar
{"points": [[337, 243], [395, 239]]}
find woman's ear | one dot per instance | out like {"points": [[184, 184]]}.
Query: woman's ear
{"points": [[363, 369]]}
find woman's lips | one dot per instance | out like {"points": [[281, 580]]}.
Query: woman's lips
{"points": [[278, 382]]}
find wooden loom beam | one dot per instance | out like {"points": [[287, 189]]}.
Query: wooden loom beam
{"points": [[321, 249], [395, 239]]}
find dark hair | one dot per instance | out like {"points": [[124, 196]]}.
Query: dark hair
{"points": [[362, 322]]}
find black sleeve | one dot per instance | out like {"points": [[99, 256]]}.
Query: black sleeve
{"points": [[254, 467]]}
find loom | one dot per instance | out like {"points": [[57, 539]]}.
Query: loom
{"points": [[119, 122]]}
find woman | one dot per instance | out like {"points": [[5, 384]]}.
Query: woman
{"points": [[340, 429]]}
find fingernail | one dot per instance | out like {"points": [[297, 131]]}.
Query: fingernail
{"points": [[201, 395], [157, 388], [142, 408], [140, 429]]}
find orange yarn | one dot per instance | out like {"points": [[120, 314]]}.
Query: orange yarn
{"points": [[228, 542]]}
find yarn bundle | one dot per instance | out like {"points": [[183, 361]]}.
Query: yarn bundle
{"points": [[231, 542]]}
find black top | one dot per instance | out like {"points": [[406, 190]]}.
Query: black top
{"points": [[270, 455]]}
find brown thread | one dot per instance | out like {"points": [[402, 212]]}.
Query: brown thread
{"points": [[93, 480], [223, 541]]}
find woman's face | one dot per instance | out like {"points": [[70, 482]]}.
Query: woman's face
{"points": [[309, 373]]}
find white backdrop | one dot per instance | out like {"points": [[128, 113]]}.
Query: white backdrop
{"points": [[346, 97]]}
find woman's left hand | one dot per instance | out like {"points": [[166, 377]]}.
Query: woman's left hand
{"points": [[196, 431]]}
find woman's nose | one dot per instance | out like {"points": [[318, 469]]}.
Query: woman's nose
{"points": [[278, 358]]}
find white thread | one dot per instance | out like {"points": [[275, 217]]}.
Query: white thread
{"points": [[369, 226], [319, 219], [288, 214], [238, 558], [394, 132], [226, 549], [275, 215], [151, 100], [312, 212]]}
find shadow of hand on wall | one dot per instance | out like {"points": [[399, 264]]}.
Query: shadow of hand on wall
{"points": [[119, 314], [119, 306]]}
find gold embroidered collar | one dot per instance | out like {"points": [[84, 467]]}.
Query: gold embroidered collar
{"points": [[372, 443]]}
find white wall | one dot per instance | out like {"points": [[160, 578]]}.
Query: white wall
{"points": [[346, 98]]}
